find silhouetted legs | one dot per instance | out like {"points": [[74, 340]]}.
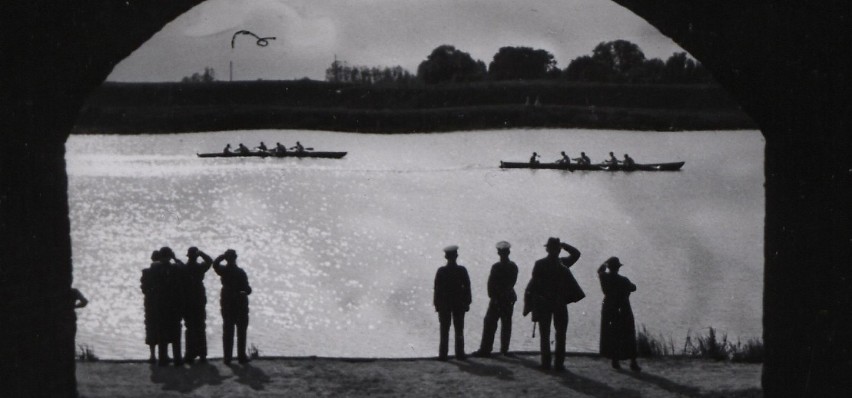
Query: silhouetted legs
{"points": [[240, 323], [503, 313], [176, 354], [559, 315], [457, 319], [196, 337]]}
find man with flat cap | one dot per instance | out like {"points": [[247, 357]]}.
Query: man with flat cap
{"points": [[235, 305], [452, 299], [501, 291], [550, 290]]}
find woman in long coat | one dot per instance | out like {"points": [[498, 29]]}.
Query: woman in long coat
{"points": [[149, 290], [618, 330]]}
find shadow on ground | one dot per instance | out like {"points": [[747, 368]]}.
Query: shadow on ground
{"points": [[251, 376], [186, 380]]}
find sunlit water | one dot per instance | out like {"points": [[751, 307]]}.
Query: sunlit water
{"points": [[342, 253]]}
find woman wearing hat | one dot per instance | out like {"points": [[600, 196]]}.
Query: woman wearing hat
{"points": [[618, 330]]}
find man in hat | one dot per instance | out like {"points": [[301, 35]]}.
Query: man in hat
{"points": [[501, 291], [234, 303], [452, 299], [552, 287], [195, 314]]}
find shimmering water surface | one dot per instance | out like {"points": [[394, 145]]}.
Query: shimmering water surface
{"points": [[342, 253]]}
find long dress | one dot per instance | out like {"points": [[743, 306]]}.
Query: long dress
{"points": [[618, 330]]}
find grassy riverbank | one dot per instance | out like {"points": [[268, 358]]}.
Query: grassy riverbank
{"points": [[132, 108]]}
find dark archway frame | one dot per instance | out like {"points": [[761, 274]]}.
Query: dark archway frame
{"points": [[784, 62]]}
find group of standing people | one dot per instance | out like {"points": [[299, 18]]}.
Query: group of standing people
{"points": [[174, 292], [549, 291]]}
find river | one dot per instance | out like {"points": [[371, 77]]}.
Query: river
{"points": [[342, 254]]}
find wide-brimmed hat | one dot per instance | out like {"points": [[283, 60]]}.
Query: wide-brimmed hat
{"points": [[230, 253], [553, 242], [451, 249]]}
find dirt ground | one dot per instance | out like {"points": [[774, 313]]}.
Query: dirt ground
{"points": [[586, 376]]}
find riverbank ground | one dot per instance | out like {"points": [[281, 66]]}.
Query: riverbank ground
{"points": [[586, 376]]}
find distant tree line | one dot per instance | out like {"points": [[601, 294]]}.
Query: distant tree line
{"points": [[209, 75], [618, 61], [341, 72]]}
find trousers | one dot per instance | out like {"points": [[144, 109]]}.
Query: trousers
{"points": [[559, 315], [497, 311], [456, 317]]}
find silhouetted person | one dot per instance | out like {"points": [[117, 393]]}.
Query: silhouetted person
{"points": [[501, 291], [551, 289], [151, 283], [262, 146], [583, 159], [227, 149], [618, 331], [242, 149], [171, 305], [565, 159], [280, 149], [234, 303], [452, 299], [534, 158], [195, 312], [612, 159], [298, 147], [628, 161]]}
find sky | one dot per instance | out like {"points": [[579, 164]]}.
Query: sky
{"points": [[311, 33]]}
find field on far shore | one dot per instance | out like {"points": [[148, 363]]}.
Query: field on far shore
{"points": [[151, 108], [586, 376]]}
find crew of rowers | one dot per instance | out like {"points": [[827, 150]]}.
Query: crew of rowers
{"points": [[584, 160], [279, 149]]}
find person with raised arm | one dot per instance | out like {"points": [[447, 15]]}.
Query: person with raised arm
{"points": [[618, 329], [234, 303], [195, 311], [551, 288]]}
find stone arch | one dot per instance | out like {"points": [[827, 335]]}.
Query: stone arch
{"points": [[782, 61]]}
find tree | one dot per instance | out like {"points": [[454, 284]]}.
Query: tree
{"points": [[516, 63], [586, 69], [620, 56], [650, 72], [680, 69], [447, 64], [208, 76]]}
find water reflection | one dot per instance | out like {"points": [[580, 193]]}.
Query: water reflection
{"points": [[342, 253]]}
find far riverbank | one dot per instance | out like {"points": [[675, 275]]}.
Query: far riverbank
{"points": [[150, 108]]}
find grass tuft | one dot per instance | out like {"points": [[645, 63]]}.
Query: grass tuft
{"points": [[86, 353], [648, 346], [709, 345], [253, 352], [750, 352]]}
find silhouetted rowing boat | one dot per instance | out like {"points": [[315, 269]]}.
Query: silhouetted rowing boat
{"points": [[674, 166], [270, 154]]}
